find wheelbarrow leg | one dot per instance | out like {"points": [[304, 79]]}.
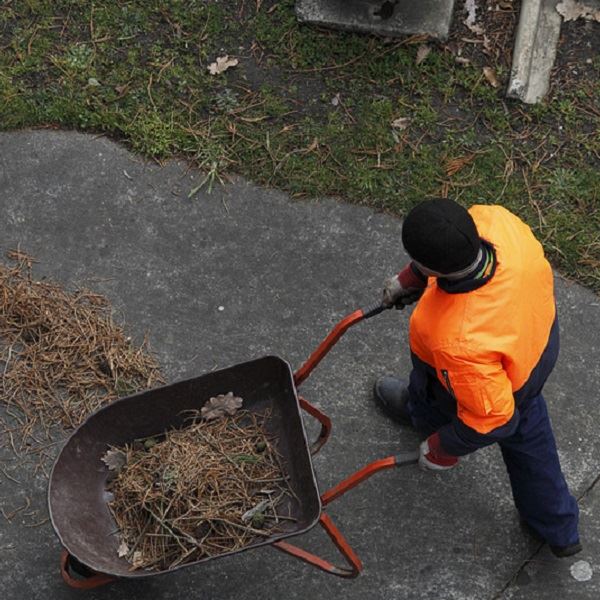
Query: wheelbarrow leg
{"points": [[322, 418], [340, 542]]}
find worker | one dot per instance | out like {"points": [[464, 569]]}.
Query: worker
{"points": [[483, 340]]}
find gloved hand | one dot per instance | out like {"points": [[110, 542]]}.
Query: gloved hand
{"points": [[432, 456], [403, 289], [405, 300]]}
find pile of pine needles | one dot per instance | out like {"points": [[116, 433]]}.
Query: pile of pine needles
{"points": [[61, 356], [209, 488]]}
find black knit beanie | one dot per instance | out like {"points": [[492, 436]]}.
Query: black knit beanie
{"points": [[441, 235]]}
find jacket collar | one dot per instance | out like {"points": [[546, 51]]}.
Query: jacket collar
{"points": [[471, 282]]}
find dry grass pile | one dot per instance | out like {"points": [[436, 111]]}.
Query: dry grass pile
{"points": [[212, 487], [61, 356]]}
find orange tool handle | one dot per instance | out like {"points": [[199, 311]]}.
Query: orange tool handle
{"points": [[410, 457]]}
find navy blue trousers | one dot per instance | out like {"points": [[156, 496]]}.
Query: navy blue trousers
{"points": [[539, 488]]}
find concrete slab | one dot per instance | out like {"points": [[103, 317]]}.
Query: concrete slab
{"points": [[285, 272], [380, 17], [535, 50], [576, 579]]}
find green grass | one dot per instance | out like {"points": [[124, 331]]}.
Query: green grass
{"points": [[137, 70]]}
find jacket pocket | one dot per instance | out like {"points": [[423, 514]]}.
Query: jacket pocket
{"points": [[448, 384]]}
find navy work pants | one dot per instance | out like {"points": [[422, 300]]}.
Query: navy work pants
{"points": [[538, 485]]}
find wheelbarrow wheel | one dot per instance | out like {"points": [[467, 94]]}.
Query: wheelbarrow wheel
{"points": [[77, 575]]}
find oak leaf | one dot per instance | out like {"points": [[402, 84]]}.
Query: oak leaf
{"points": [[114, 459], [218, 406]]}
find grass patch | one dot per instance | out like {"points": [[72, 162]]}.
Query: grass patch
{"points": [[309, 111]]}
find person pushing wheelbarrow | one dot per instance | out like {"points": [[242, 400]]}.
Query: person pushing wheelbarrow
{"points": [[484, 338]]}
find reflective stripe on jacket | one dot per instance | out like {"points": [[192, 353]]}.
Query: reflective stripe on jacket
{"points": [[485, 343]]}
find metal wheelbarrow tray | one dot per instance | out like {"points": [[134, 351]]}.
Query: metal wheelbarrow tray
{"points": [[77, 495]]}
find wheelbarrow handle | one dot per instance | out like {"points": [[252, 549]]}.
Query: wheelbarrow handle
{"points": [[409, 457], [334, 335]]}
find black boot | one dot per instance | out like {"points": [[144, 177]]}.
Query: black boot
{"points": [[564, 551], [558, 551], [391, 393]]}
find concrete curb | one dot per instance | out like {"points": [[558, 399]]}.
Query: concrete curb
{"points": [[380, 17], [535, 50]]}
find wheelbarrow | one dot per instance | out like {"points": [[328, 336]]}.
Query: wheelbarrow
{"points": [[77, 495]]}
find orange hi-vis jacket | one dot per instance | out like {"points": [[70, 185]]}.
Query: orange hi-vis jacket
{"points": [[484, 344]]}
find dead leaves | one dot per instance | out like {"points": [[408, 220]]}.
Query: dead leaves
{"points": [[489, 25], [471, 9], [490, 75], [123, 549], [401, 123], [137, 560], [312, 146], [114, 459], [451, 167], [571, 10], [259, 508], [469, 21], [222, 64], [218, 406], [422, 53]]}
